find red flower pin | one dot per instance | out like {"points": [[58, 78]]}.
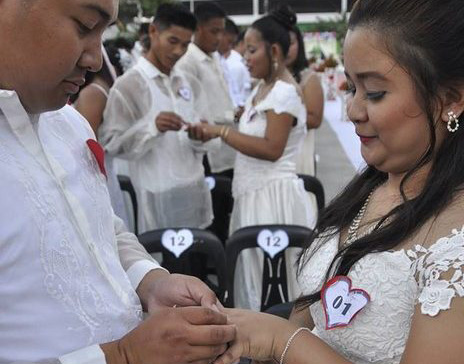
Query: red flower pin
{"points": [[99, 154]]}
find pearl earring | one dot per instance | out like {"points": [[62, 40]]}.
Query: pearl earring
{"points": [[453, 122]]}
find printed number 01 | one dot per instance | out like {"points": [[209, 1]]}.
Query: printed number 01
{"points": [[338, 302]]}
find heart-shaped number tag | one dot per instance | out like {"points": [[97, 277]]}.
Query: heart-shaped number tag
{"points": [[341, 303], [211, 182], [177, 242], [185, 93], [272, 242]]}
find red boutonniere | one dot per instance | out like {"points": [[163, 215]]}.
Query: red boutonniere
{"points": [[99, 154]]}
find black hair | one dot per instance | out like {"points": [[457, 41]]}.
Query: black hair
{"points": [[300, 62], [231, 27], [206, 11], [103, 73], [143, 28], [241, 35], [425, 39], [274, 28], [169, 14]]}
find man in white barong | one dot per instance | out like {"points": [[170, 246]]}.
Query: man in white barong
{"points": [[73, 281], [146, 117], [200, 63]]}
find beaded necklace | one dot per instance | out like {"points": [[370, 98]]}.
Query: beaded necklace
{"points": [[354, 226]]}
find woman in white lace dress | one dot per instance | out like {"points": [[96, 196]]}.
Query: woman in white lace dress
{"points": [[396, 232], [266, 188]]}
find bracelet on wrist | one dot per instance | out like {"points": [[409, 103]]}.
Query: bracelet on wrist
{"points": [[289, 342], [226, 133]]}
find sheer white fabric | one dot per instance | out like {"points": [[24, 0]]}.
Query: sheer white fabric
{"points": [[396, 281], [237, 77], [207, 71], [166, 168], [268, 192], [63, 253]]}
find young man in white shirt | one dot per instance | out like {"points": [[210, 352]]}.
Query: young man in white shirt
{"points": [[73, 280], [146, 115], [200, 63], [237, 75]]}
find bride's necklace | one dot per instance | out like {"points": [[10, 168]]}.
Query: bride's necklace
{"points": [[354, 226]]}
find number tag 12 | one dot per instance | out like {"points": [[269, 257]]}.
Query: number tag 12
{"points": [[342, 303]]}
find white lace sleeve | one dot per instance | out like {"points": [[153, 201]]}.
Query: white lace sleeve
{"points": [[283, 98], [444, 256]]}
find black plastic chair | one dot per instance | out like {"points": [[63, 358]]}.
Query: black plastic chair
{"points": [[223, 202], [274, 284], [126, 186], [313, 185], [206, 248]]}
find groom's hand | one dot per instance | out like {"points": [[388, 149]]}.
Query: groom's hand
{"points": [[174, 336], [160, 289]]}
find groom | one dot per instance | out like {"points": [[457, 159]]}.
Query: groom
{"points": [[73, 281]]}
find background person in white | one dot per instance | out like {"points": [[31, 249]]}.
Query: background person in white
{"points": [[200, 63], [71, 277], [233, 64], [266, 188], [146, 111]]}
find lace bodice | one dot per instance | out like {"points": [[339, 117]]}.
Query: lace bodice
{"points": [[252, 173], [396, 281]]}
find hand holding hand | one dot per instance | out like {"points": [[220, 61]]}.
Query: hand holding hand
{"points": [[173, 336], [159, 289], [260, 336], [168, 121], [203, 131]]}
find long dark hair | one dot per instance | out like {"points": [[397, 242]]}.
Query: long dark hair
{"points": [[300, 63], [425, 37]]}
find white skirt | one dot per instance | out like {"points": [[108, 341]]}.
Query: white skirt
{"points": [[283, 201]]}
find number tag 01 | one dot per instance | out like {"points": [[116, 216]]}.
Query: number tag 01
{"points": [[341, 303], [177, 242], [272, 242]]}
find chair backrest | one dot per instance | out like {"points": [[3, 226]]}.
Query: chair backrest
{"points": [[126, 186], [221, 195], [313, 185], [189, 251], [274, 284]]}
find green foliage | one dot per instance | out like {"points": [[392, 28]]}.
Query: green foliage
{"points": [[149, 6], [130, 9], [338, 25]]}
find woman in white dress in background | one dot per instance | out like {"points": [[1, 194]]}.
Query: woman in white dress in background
{"points": [[91, 102], [396, 232], [313, 97], [266, 188]]}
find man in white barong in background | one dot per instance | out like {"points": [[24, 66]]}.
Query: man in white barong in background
{"points": [[146, 116], [73, 281], [199, 62]]}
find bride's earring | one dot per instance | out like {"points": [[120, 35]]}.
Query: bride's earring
{"points": [[453, 122]]}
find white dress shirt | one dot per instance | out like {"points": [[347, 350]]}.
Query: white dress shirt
{"points": [[237, 77], [207, 70], [68, 267], [166, 168]]}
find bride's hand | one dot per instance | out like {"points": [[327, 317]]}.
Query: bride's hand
{"points": [[260, 336], [203, 131]]}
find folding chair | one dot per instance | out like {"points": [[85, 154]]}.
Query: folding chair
{"points": [[313, 185], [126, 186], [274, 284], [221, 195], [189, 259]]}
